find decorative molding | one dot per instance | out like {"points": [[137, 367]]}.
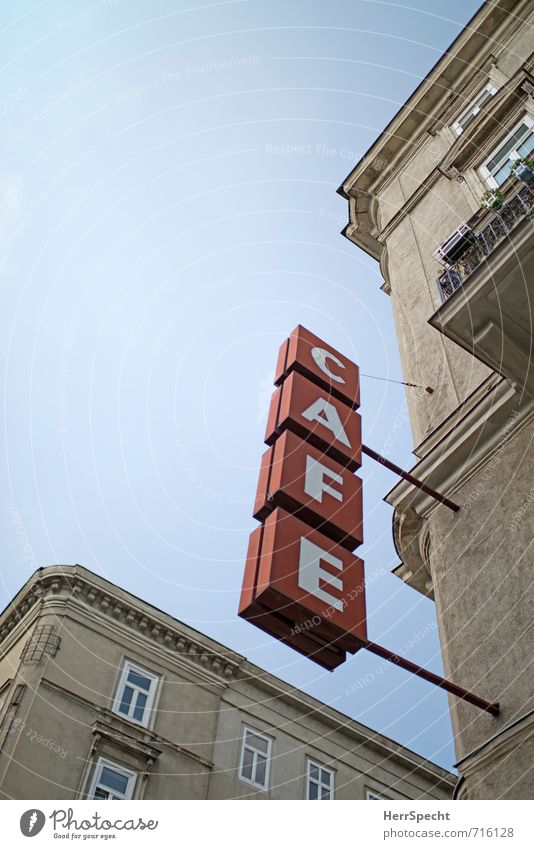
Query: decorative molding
{"points": [[411, 539], [73, 584], [17, 611], [456, 453], [503, 744]]}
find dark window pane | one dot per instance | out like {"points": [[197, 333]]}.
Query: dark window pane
{"points": [[139, 680], [257, 742], [261, 768], [140, 707], [511, 144], [248, 760], [314, 772], [314, 791], [113, 779], [101, 794], [325, 777], [126, 700], [325, 793]]}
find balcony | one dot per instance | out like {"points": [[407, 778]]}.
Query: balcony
{"points": [[486, 240], [488, 293]]}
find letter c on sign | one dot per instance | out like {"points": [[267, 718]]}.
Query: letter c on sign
{"points": [[321, 356]]}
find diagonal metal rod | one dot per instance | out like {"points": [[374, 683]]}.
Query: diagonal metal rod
{"points": [[455, 689], [410, 478]]}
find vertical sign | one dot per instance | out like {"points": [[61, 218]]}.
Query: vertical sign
{"points": [[302, 583]]}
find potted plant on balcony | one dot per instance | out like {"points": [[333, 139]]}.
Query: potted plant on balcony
{"points": [[492, 199], [456, 245], [523, 169]]}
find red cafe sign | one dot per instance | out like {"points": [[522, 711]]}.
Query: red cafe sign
{"points": [[302, 583]]}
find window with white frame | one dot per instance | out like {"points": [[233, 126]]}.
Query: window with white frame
{"points": [[518, 143], [372, 795], [111, 781], [255, 758], [470, 113], [135, 693], [320, 783]]}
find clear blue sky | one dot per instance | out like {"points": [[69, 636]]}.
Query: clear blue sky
{"points": [[169, 214]]}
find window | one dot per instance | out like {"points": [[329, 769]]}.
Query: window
{"points": [[255, 757], [111, 781], [135, 693], [520, 142], [371, 795], [320, 781], [4, 689], [473, 109]]}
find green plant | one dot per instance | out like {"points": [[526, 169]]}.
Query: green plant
{"points": [[523, 161], [492, 199]]}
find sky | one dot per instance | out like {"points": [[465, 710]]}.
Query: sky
{"points": [[168, 215]]}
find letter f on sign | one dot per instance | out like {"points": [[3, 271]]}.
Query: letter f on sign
{"points": [[314, 480], [311, 572]]}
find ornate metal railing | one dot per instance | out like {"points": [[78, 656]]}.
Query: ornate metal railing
{"points": [[486, 240]]}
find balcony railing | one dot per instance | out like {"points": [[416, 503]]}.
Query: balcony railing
{"points": [[486, 240]]}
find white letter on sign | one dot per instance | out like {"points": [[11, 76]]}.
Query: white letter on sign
{"points": [[310, 572], [314, 480], [321, 356], [326, 414]]}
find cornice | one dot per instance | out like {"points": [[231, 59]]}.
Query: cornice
{"points": [[505, 742], [473, 47], [462, 445], [17, 613], [63, 583], [425, 113]]}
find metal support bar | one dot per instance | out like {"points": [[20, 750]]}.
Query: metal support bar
{"points": [[455, 689], [408, 477]]}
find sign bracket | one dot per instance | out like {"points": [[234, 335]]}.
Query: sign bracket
{"points": [[437, 496], [455, 689]]}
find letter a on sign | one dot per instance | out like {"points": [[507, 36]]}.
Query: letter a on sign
{"points": [[326, 414]]}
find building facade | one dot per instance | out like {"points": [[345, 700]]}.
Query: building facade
{"points": [[442, 200], [104, 696]]}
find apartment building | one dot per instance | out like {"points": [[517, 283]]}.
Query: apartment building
{"points": [[103, 696], [444, 201]]}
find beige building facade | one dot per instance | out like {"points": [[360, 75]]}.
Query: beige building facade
{"points": [[104, 696], [442, 203]]}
